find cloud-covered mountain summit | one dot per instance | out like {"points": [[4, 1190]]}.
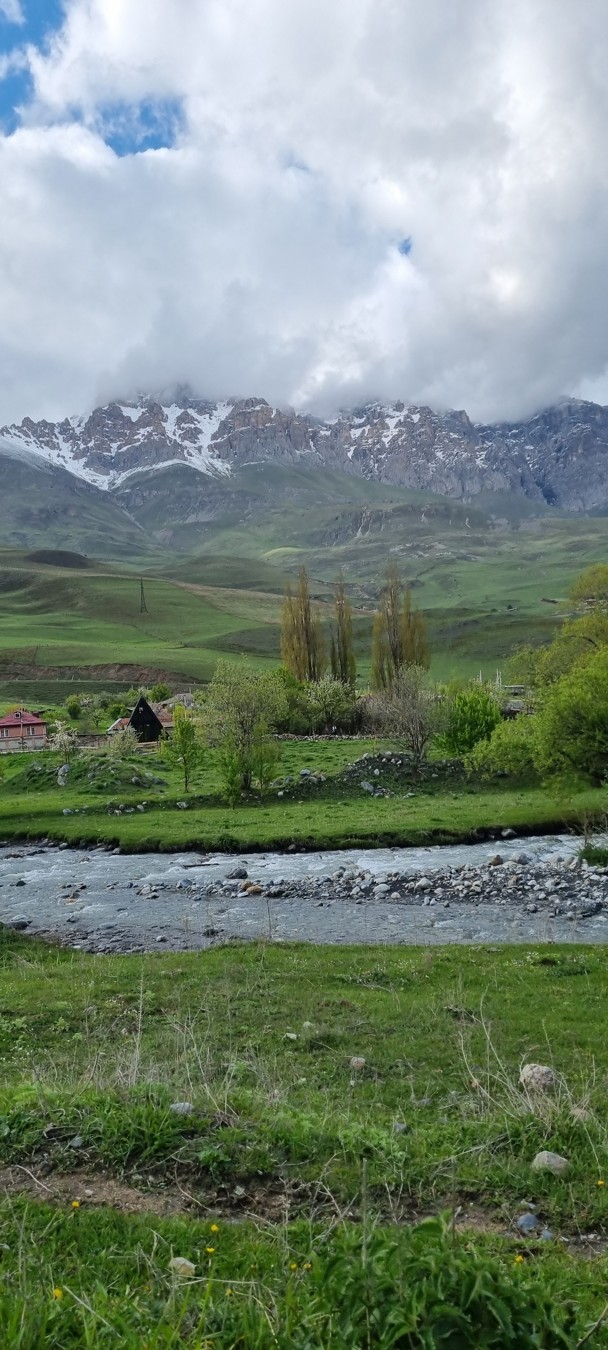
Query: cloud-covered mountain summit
{"points": [[559, 457]]}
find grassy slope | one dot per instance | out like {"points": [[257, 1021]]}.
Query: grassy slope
{"points": [[483, 584], [336, 814], [260, 1039]]}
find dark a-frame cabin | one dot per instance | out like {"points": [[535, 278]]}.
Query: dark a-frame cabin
{"points": [[145, 721]]}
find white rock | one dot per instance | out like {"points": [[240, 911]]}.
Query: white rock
{"points": [[538, 1078], [545, 1161], [357, 1062], [182, 1267]]}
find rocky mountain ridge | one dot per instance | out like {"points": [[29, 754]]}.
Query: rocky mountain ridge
{"points": [[558, 457]]}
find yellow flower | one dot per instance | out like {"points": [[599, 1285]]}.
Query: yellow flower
{"points": [[210, 1250], [308, 1265], [214, 1228], [75, 1204], [294, 1265], [58, 1293], [228, 1293], [519, 1260], [601, 1183]]}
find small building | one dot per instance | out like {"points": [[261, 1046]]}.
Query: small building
{"points": [[149, 720], [22, 730]]}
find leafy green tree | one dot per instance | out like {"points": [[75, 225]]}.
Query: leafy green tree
{"points": [[331, 704], [73, 707], [123, 743], [472, 715], [590, 590], [572, 722], [265, 758], [510, 749], [302, 641], [183, 747], [242, 706], [159, 692]]}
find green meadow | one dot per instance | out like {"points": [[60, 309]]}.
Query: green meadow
{"points": [[341, 1102], [85, 621]]}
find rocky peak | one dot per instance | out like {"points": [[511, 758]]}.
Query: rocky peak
{"points": [[559, 456]]}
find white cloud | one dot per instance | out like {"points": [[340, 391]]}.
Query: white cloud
{"points": [[12, 10], [259, 255]]}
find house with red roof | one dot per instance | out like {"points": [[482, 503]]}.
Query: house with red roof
{"points": [[22, 730]]}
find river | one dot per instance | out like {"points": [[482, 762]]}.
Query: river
{"points": [[103, 901]]}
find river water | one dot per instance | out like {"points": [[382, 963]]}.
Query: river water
{"points": [[92, 898]]}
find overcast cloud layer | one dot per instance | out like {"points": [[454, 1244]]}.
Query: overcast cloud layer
{"points": [[264, 249]]}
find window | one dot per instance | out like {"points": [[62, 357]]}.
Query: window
{"points": [[4, 731]]}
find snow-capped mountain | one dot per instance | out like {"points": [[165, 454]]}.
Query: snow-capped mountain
{"points": [[558, 457]]}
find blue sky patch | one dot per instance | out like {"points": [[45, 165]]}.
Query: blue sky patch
{"points": [[151, 125], [41, 19], [405, 246]]}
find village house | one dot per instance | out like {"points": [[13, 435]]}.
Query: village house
{"points": [[22, 730], [148, 720]]}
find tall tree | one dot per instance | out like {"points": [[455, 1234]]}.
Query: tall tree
{"points": [[399, 633], [414, 635], [343, 663], [302, 641]]}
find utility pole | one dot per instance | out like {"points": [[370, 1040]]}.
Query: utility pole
{"points": [[143, 608]]}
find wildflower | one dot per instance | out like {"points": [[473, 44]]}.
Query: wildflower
{"points": [[58, 1293], [228, 1293], [293, 1265], [308, 1265], [210, 1250], [214, 1228], [75, 1204], [518, 1260], [601, 1183]]}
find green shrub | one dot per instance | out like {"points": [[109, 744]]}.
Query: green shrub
{"points": [[472, 716]]}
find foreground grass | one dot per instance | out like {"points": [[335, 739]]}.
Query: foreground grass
{"points": [[334, 814], [331, 1156]]}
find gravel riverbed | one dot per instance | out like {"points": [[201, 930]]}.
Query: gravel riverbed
{"points": [[100, 901]]}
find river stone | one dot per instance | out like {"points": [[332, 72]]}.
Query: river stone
{"points": [[424, 884], [545, 1161], [538, 1078], [527, 1223], [237, 874]]}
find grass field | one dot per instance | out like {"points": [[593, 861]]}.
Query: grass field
{"points": [[339, 1096], [334, 814], [214, 588]]}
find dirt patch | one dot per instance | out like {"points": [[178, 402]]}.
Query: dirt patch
{"points": [[272, 1202]]}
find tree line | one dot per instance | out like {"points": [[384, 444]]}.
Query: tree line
{"points": [[399, 635]]}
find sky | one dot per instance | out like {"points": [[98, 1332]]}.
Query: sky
{"points": [[319, 202]]}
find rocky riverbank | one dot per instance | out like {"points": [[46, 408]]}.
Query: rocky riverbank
{"points": [[104, 902], [562, 887]]}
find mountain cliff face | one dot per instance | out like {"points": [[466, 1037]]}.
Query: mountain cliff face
{"points": [[559, 457]]}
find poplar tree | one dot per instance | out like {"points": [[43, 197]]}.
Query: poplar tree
{"points": [[399, 633], [343, 663], [302, 641]]}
